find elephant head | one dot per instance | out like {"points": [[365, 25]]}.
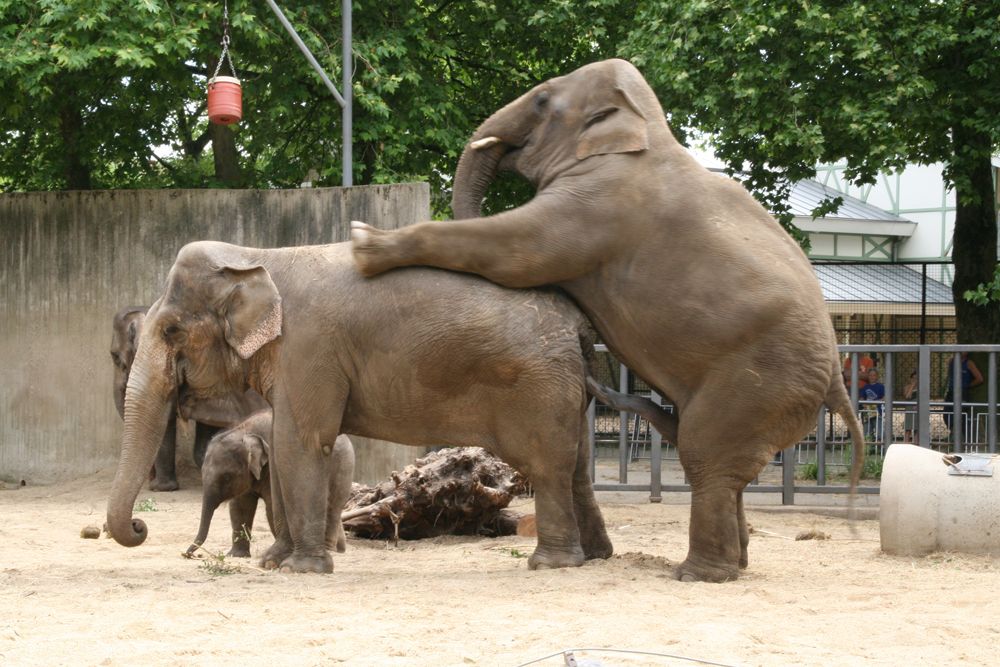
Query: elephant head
{"points": [[606, 108], [198, 340], [126, 326]]}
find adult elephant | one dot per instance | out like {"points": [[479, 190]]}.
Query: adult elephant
{"points": [[687, 278], [421, 356], [209, 418]]}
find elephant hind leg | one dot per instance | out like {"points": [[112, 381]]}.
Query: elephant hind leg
{"points": [[593, 535], [549, 460], [719, 465]]}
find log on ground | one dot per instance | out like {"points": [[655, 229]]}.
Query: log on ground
{"points": [[461, 491]]}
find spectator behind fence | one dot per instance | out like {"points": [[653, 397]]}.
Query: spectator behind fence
{"points": [[910, 432], [874, 390], [971, 377], [865, 364]]}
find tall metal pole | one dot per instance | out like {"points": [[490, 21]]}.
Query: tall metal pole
{"points": [[345, 100], [346, 116]]}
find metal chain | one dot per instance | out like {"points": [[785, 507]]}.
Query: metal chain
{"points": [[225, 43]]}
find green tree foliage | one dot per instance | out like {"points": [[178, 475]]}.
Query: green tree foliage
{"points": [[90, 88], [782, 85]]}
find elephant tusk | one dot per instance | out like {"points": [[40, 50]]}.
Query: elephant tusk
{"points": [[484, 143]]}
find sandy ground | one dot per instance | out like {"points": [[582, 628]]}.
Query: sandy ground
{"points": [[461, 601]]}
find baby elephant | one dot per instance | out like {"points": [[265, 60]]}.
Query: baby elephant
{"points": [[235, 469]]}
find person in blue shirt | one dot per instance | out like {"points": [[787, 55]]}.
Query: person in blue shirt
{"points": [[873, 390]]}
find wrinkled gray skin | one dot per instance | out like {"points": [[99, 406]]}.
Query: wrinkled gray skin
{"points": [[236, 470], [125, 329], [421, 356], [689, 281]]}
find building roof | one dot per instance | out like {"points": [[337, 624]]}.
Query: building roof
{"points": [[853, 217], [894, 289]]}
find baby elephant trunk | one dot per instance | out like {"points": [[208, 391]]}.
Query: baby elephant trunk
{"points": [[210, 502]]}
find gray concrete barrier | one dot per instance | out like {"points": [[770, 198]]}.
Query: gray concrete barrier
{"points": [[70, 260]]}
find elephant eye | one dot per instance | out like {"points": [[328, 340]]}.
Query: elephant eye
{"points": [[599, 115], [542, 99], [173, 332]]}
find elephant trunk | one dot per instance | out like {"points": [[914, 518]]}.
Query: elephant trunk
{"points": [[482, 156], [476, 170], [148, 406], [209, 503]]}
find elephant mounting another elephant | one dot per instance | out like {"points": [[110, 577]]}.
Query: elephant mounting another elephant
{"points": [[420, 356], [689, 281]]}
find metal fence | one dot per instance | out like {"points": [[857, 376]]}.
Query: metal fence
{"points": [[629, 454]]}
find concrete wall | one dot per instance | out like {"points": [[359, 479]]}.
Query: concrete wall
{"points": [[70, 260]]}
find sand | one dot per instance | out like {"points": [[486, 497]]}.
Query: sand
{"points": [[470, 601]]}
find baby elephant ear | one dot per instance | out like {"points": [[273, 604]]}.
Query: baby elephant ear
{"points": [[257, 451], [612, 124], [252, 310]]}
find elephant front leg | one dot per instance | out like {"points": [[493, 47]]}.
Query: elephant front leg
{"points": [[241, 512], [165, 466], [303, 466], [523, 247]]}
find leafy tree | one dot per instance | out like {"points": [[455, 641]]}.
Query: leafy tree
{"points": [[785, 84], [90, 89]]}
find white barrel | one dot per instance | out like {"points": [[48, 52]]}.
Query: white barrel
{"points": [[930, 501]]}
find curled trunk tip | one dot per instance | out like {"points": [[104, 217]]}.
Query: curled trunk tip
{"points": [[135, 532]]}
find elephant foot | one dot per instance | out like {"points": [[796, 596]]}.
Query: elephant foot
{"points": [[164, 485], [369, 248], [691, 571], [548, 559], [240, 551], [338, 544], [597, 546], [298, 563], [275, 555]]}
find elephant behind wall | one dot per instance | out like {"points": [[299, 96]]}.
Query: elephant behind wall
{"points": [[423, 357], [690, 282]]}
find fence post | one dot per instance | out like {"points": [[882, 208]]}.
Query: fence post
{"points": [[821, 446], [991, 398], [887, 408], [788, 476], [655, 460], [623, 445], [591, 427], [956, 407], [924, 396]]}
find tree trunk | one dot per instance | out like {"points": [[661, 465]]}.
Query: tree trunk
{"points": [[974, 247], [225, 156], [451, 492], [75, 172]]}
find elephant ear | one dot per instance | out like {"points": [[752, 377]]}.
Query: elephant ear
{"points": [[612, 124], [257, 453], [251, 310]]}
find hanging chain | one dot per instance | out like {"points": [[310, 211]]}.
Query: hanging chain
{"points": [[225, 43]]}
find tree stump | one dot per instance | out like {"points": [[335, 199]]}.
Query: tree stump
{"points": [[461, 491]]}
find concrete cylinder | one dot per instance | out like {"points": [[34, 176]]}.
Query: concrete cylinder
{"points": [[930, 501]]}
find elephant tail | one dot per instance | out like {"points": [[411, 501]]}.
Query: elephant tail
{"points": [[664, 422], [838, 401]]}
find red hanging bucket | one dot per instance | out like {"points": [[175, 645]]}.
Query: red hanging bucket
{"points": [[225, 100]]}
